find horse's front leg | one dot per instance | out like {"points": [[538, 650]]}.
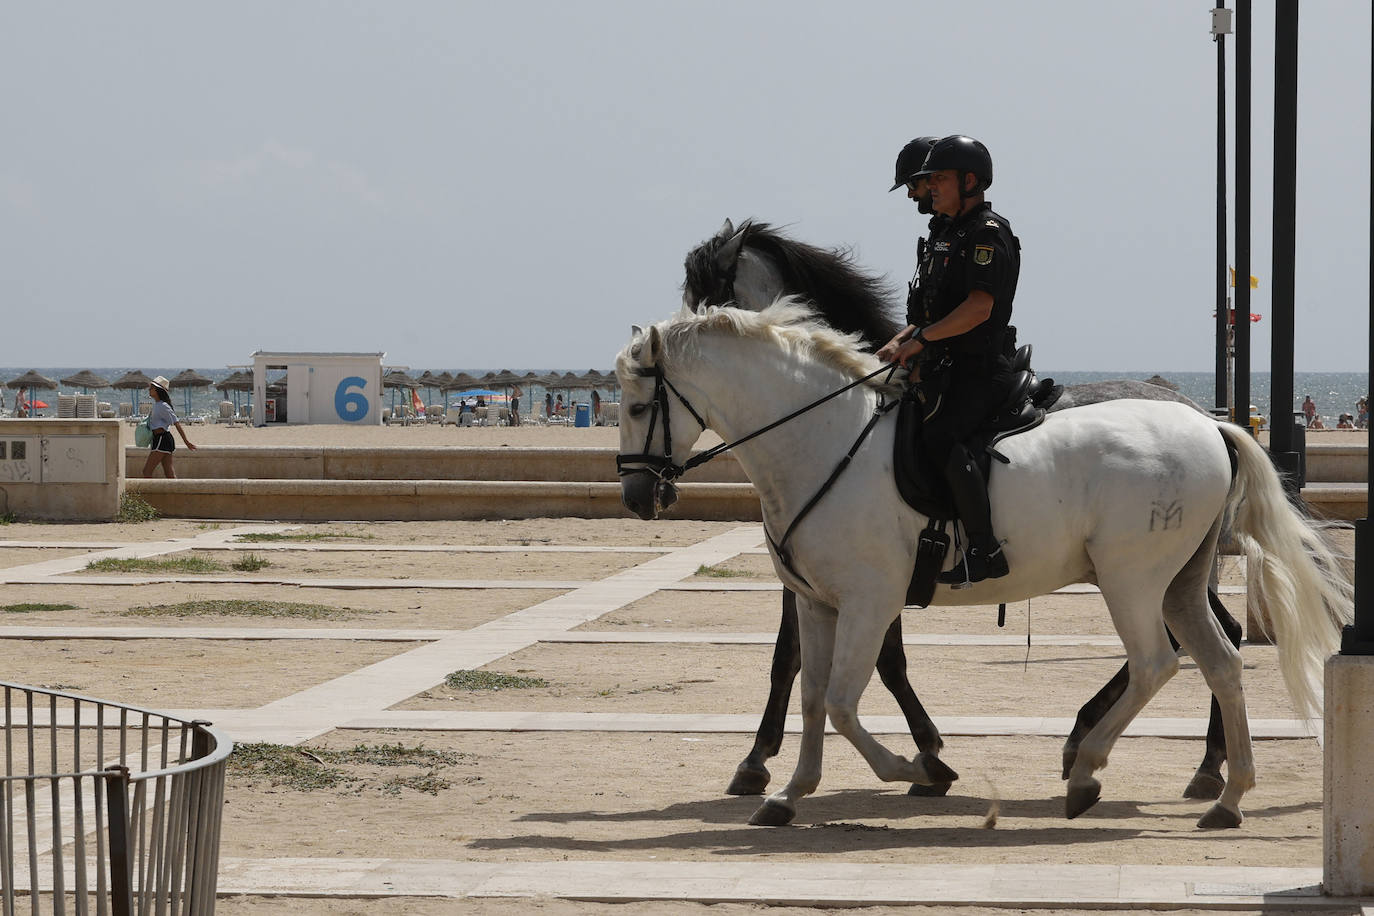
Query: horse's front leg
{"points": [[892, 670], [752, 776], [858, 639], [816, 623]]}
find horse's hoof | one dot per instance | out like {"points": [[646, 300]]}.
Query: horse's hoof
{"points": [[749, 780], [1081, 798], [936, 770], [1219, 818], [1070, 758], [1205, 785], [937, 790], [772, 814]]}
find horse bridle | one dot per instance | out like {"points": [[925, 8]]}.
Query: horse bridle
{"points": [[662, 466], [666, 470]]}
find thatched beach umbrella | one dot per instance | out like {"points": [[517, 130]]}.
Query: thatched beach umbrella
{"points": [[428, 381], [188, 379], [460, 382], [397, 379], [236, 382], [30, 380], [86, 380], [134, 381]]}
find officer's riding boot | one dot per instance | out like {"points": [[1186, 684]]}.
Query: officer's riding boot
{"points": [[983, 557]]}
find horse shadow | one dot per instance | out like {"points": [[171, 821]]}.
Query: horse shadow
{"points": [[835, 820]]}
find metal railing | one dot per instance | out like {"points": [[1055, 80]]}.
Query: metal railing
{"points": [[107, 808]]}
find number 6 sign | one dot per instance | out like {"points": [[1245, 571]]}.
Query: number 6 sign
{"points": [[350, 403]]}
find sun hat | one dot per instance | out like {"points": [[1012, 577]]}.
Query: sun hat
{"points": [[161, 382]]}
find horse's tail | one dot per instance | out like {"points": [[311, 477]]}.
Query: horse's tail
{"points": [[1292, 573]]}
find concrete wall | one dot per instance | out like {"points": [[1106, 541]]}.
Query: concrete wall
{"points": [[417, 463], [32, 488], [325, 500]]}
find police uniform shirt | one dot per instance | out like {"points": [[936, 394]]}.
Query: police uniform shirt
{"points": [[976, 251]]}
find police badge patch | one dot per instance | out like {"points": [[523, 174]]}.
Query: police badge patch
{"points": [[982, 255]]}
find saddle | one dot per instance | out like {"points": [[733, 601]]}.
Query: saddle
{"points": [[922, 483]]}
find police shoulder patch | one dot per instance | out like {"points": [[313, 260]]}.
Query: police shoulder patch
{"points": [[982, 255]]}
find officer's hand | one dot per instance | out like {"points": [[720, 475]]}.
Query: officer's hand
{"points": [[908, 351]]}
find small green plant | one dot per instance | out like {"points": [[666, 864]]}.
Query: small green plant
{"points": [[192, 564], [259, 537], [250, 563], [231, 607], [311, 768], [287, 766], [134, 508], [8, 518], [429, 783], [209, 526], [31, 607], [720, 572], [491, 680]]}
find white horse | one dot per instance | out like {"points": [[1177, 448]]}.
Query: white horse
{"points": [[1129, 495]]}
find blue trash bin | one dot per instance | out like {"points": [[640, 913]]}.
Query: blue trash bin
{"points": [[583, 417]]}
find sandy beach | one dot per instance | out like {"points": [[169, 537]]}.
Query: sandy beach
{"points": [[428, 435]]}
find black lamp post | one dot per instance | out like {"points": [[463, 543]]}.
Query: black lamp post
{"points": [[1359, 639]]}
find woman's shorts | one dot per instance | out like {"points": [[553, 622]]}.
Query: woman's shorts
{"points": [[163, 442]]}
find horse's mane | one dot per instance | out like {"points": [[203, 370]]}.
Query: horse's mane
{"points": [[789, 323], [845, 297]]}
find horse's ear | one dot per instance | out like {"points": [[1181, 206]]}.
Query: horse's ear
{"points": [[726, 230], [728, 253], [635, 330], [655, 346]]}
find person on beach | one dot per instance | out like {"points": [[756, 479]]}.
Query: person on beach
{"points": [[558, 406], [1316, 423], [548, 405], [1309, 409], [964, 310], [1362, 408], [1346, 422], [161, 420], [909, 162], [515, 406]]}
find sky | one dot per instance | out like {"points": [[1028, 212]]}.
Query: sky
{"points": [[512, 185]]}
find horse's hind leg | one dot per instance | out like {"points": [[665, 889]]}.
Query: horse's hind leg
{"points": [[752, 776], [817, 628], [1207, 782], [1135, 601], [1220, 663], [892, 670]]}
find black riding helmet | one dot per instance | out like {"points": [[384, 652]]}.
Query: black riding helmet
{"points": [[909, 160], [963, 154]]}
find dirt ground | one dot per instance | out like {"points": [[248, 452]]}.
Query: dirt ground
{"points": [[537, 796], [514, 797], [189, 673], [376, 608]]}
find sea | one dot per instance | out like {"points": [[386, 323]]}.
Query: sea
{"points": [[1334, 392]]}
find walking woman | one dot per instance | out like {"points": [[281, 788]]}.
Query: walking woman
{"points": [[160, 421]]}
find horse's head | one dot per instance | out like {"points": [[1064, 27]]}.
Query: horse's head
{"points": [[724, 270], [657, 428]]}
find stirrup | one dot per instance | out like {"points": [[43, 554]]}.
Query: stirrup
{"points": [[967, 572]]}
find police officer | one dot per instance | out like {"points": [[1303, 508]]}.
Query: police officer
{"points": [[957, 335], [909, 162]]}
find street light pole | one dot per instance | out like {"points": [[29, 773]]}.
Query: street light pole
{"points": [[1359, 638]]}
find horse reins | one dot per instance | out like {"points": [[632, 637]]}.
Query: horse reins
{"points": [[665, 469]]}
